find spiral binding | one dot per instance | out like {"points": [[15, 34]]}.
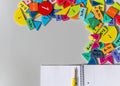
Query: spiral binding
{"points": [[82, 75]]}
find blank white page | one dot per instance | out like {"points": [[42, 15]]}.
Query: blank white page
{"points": [[58, 75], [102, 75]]}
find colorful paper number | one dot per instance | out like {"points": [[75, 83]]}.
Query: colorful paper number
{"points": [[104, 45]]}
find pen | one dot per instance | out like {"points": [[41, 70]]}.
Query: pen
{"points": [[74, 79]]}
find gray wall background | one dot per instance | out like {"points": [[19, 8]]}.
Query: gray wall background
{"points": [[23, 51]]}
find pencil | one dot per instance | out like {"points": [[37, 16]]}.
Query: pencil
{"points": [[74, 79]]}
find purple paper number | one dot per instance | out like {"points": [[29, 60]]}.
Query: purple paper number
{"points": [[58, 17], [116, 55], [112, 22]]}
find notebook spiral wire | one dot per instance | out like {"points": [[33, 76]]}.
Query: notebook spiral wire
{"points": [[82, 75]]}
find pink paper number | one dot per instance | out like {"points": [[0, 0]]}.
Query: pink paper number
{"points": [[27, 1], [52, 1]]}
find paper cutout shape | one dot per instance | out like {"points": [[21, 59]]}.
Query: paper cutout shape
{"points": [[19, 17], [37, 24], [45, 20], [74, 10]]}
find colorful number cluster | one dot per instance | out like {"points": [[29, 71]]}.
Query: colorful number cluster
{"points": [[102, 22]]}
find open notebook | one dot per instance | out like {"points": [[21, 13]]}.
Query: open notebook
{"points": [[87, 75]]}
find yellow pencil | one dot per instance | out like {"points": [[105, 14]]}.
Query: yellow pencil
{"points": [[74, 79]]}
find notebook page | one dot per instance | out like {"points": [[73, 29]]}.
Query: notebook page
{"points": [[102, 75], [58, 75]]}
